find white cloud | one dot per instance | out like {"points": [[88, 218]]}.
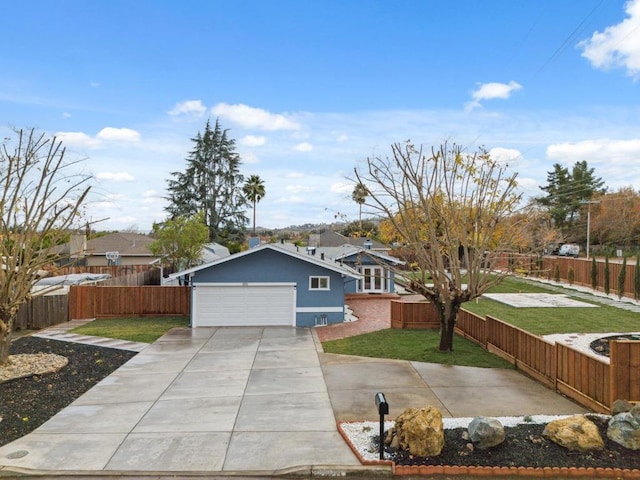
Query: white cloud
{"points": [[489, 91], [66, 115], [151, 197], [616, 161], [78, 139], [253, 140], [249, 157], [118, 134], [250, 117], [596, 151], [95, 84], [115, 176], [505, 155], [189, 108], [295, 175], [618, 45], [303, 147], [341, 187], [343, 138]]}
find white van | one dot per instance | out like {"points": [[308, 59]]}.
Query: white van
{"points": [[569, 250]]}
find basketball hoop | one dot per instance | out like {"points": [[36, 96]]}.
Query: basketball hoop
{"points": [[112, 257]]}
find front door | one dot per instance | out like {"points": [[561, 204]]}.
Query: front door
{"points": [[374, 279]]}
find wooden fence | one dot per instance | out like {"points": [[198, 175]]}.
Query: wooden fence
{"points": [[121, 275], [411, 315], [592, 382], [41, 312], [99, 302], [544, 267]]}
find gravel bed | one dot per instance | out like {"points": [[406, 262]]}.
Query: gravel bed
{"points": [[524, 446], [28, 402]]}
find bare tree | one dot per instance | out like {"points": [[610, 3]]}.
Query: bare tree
{"points": [[40, 198], [453, 213]]}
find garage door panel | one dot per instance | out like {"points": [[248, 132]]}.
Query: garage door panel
{"points": [[239, 305]]}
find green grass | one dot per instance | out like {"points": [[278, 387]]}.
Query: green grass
{"points": [[138, 329], [415, 345], [544, 321]]}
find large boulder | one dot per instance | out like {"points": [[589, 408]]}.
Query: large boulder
{"points": [[418, 430], [620, 406], [485, 432], [624, 428], [577, 433]]}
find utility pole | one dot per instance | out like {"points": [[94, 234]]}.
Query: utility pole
{"points": [[589, 202]]}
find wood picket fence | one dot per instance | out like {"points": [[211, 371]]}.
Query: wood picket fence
{"points": [[593, 382], [136, 301]]}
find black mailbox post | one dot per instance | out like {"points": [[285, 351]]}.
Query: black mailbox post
{"points": [[383, 409]]}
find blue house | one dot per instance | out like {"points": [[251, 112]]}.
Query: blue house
{"points": [[376, 269], [269, 285]]}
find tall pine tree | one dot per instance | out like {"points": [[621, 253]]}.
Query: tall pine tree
{"points": [[211, 184], [566, 194]]}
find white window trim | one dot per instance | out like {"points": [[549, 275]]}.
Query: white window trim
{"points": [[328, 287]]}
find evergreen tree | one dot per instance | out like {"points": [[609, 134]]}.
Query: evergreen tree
{"points": [[622, 277], [211, 184], [566, 193], [594, 273]]}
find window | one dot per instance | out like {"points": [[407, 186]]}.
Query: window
{"points": [[318, 283]]}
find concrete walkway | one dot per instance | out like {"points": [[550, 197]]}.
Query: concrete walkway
{"points": [[252, 401]]}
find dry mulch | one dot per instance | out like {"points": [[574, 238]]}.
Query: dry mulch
{"points": [[26, 403]]}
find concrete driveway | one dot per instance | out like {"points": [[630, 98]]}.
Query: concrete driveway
{"points": [[254, 400]]}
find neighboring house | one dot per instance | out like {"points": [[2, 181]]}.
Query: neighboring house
{"points": [[375, 268], [110, 249], [210, 253], [367, 257], [329, 239], [268, 285]]}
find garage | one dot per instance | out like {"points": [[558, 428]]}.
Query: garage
{"points": [[243, 304]]}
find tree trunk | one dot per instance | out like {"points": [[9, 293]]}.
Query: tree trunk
{"points": [[448, 315], [5, 341]]}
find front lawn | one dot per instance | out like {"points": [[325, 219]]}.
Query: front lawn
{"points": [[544, 321], [415, 345], [136, 329]]}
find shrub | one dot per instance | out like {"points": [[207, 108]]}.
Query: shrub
{"points": [[571, 275], [607, 285], [622, 277], [556, 273], [594, 273]]}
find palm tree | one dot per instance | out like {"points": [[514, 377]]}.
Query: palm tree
{"points": [[359, 195], [254, 191]]}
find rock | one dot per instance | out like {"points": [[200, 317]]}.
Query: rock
{"points": [[418, 430], [620, 406], [624, 429], [577, 433], [486, 432]]}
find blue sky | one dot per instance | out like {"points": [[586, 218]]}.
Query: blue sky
{"points": [[310, 89]]}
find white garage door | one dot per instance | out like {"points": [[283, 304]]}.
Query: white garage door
{"points": [[244, 304]]}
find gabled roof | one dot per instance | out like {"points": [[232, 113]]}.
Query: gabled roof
{"points": [[349, 250], [124, 243], [329, 265], [329, 238]]}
